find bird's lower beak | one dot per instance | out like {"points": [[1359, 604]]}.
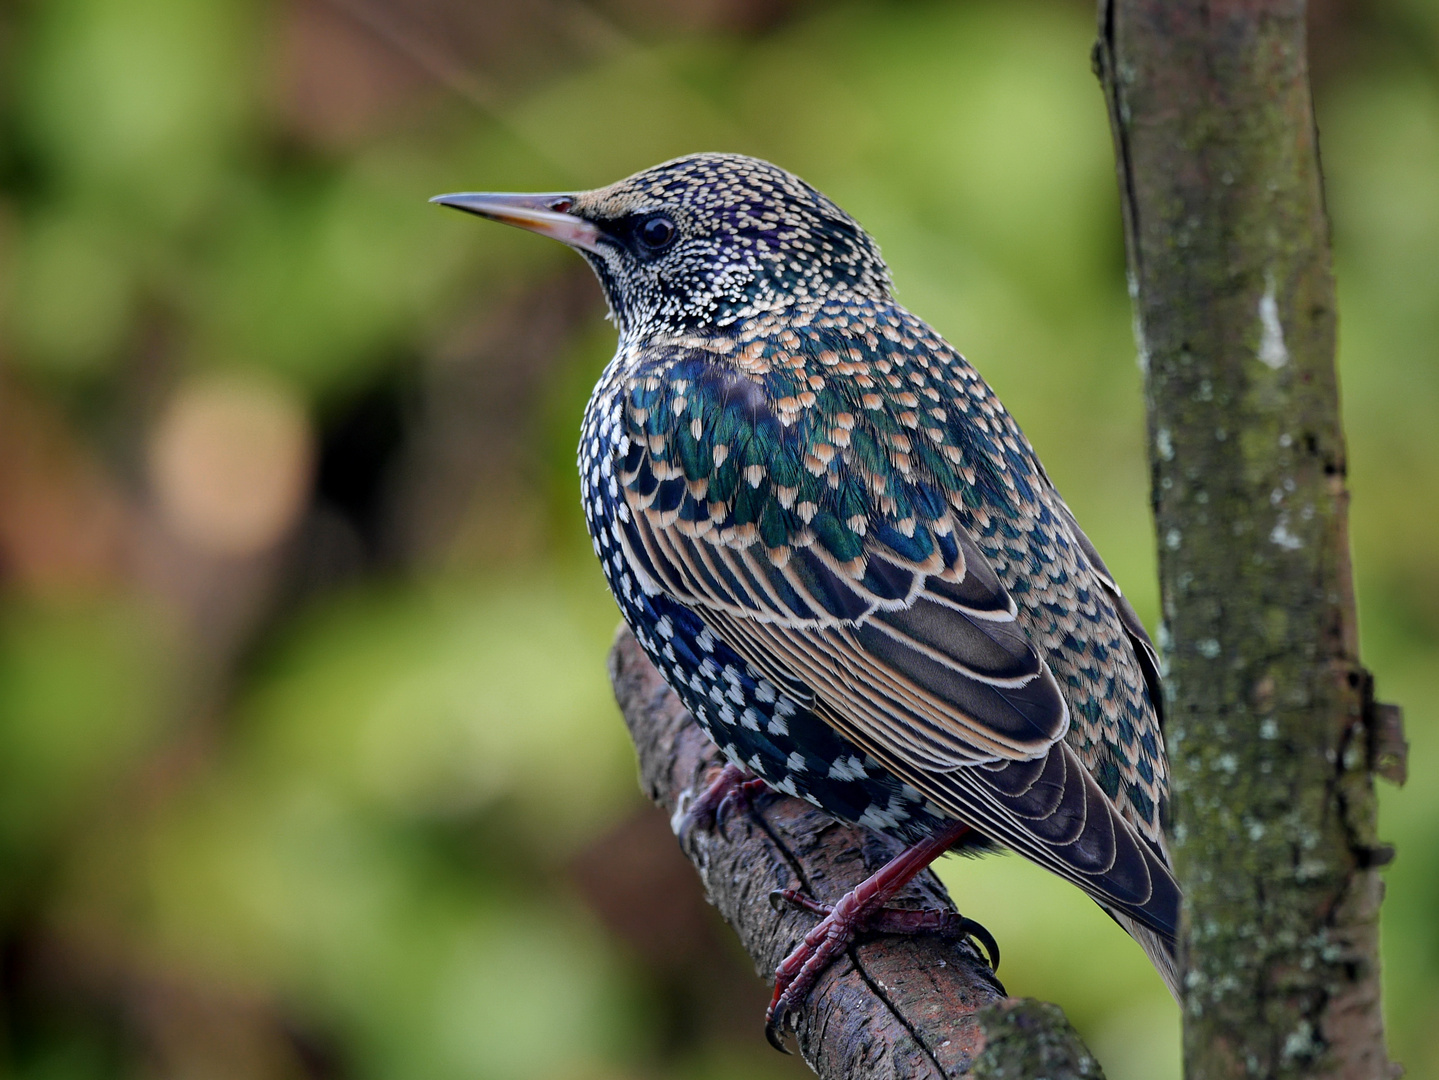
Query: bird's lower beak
{"points": [[544, 214]]}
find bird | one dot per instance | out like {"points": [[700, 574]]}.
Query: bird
{"points": [[839, 549]]}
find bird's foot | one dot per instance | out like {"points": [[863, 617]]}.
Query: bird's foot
{"points": [[837, 930], [729, 791], [937, 922], [862, 908]]}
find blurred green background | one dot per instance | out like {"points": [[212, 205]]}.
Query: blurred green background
{"points": [[308, 761]]}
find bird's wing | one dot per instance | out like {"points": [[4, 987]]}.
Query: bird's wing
{"points": [[876, 604], [899, 623], [1053, 812], [1144, 650]]}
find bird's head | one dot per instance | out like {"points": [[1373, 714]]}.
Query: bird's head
{"points": [[702, 241]]}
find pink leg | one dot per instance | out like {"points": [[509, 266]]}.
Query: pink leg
{"points": [[938, 922], [862, 908], [730, 790]]}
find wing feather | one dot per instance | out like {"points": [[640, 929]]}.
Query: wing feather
{"points": [[841, 576], [949, 695], [1083, 839], [1144, 650]]}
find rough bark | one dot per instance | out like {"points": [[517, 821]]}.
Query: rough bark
{"points": [[900, 1007], [1272, 732], [1029, 1040]]}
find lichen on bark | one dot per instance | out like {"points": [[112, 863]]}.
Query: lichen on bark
{"points": [[1027, 1040]]}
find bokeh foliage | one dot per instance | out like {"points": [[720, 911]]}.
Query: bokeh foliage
{"points": [[334, 786]]}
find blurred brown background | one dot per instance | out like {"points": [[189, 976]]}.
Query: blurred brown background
{"points": [[308, 763]]}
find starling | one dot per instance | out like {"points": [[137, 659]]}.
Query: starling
{"points": [[842, 553]]}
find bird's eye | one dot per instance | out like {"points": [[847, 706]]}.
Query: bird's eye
{"points": [[656, 233]]}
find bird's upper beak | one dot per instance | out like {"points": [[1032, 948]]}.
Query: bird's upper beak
{"points": [[544, 214]]}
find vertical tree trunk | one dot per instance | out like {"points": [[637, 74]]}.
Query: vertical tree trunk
{"points": [[1271, 725]]}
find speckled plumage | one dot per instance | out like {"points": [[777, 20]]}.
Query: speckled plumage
{"points": [[843, 554]]}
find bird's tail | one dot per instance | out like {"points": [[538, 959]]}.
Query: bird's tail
{"points": [[1158, 947]]}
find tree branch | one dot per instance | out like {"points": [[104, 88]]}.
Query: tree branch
{"points": [[903, 1007], [1272, 731]]}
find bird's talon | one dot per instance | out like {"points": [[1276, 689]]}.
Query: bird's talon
{"points": [[711, 806], [774, 1032], [778, 1017], [723, 811], [721, 828], [982, 935]]}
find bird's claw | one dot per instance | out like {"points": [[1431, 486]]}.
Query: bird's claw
{"points": [[950, 925], [800, 970], [729, 791], [774, 1032], [736, 798], [980, 933], [839, 926]]}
